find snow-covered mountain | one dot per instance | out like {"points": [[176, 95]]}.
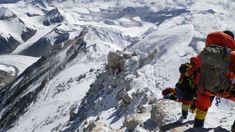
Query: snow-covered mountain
{"points": [[102, 63], [13, 30]]}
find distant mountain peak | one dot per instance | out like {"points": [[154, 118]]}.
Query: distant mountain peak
{"points": [[5, 13], [53, 16]]}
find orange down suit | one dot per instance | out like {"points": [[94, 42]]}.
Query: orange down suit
{"points": [[204, 97]]}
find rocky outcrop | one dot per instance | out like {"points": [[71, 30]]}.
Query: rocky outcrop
{"points": [[132, 121], [117, 61], [60, 37], [7, 45], [7, 74], [5, 78], [127, 98], [165, 112], [40, 48], [98, 127], [27, 33]]}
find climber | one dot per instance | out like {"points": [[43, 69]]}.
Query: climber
{"points": [[217, 57], [187, 85]]}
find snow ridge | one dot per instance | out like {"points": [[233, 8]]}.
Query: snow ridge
{"points": [[18, 96]]}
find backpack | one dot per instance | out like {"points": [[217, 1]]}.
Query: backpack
{"points": [[214, 64]]}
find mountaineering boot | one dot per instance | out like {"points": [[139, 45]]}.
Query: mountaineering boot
{"points": [[233, 127], [183, 116], [200, 117], [198, 123], [185, 108]]}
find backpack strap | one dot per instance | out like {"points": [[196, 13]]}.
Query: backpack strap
{"points": [[191, 82], [187, 74]]}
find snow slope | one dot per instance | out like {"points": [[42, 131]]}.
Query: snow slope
{"points": [[170, 47], [62, 94], [18, 61]]}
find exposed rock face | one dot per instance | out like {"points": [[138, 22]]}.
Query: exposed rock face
{"points": [[44, 45], [27, 33], [132, 121], [40, 48], [115, 62], [5, 78], [7, 45], [98, 127], [61, 37], [163, 112], [127, 98], [52, 17], [7, 74]]}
